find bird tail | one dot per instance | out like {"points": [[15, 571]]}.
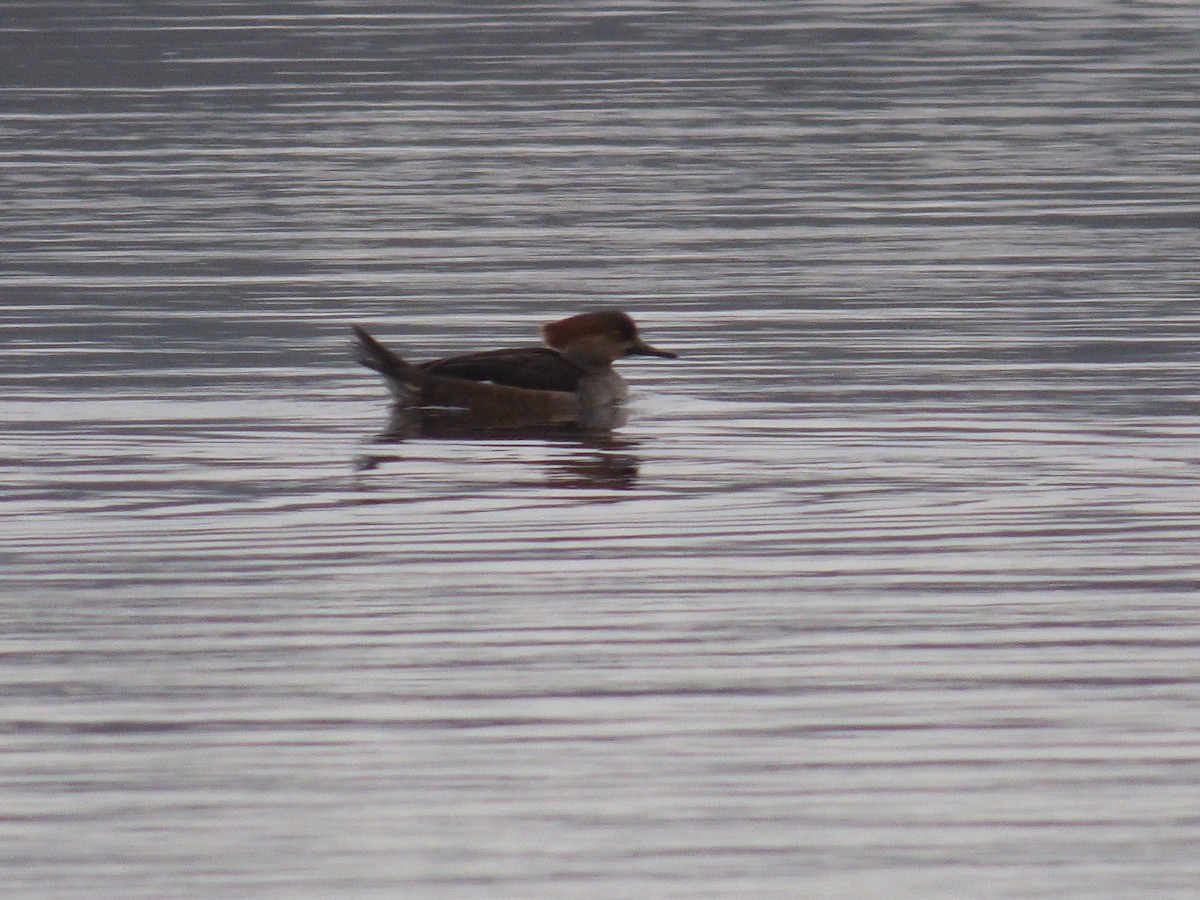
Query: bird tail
{"points": [[403, 378]]}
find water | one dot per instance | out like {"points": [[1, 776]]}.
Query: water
{"points": [[887, 589]]}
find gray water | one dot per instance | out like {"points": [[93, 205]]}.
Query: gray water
{"points": [[888, 588]]}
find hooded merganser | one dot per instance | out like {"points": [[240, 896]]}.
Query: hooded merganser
{"points": [[569, 382]]}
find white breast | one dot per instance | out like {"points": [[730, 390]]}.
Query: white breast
{"points": [[602, 389], [600, 396]]}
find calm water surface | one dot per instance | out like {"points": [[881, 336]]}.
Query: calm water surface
{"points": [[889, 588]]}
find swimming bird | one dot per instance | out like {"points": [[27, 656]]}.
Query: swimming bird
{"points": [[570, 382]]}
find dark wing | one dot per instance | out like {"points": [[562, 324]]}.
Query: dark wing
{"points": [[536, 367]]}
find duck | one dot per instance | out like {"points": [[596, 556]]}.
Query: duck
{"points": [[568, 383]]}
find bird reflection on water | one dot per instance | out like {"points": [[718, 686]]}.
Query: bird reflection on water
{"points": [[571, 458]]}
